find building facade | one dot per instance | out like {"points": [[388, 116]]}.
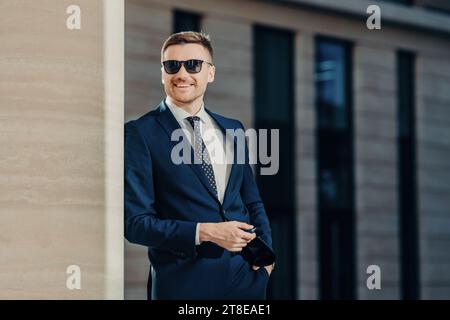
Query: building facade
{"points": [[364, 119]]}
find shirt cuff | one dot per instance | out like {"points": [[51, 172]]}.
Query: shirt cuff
{"points": [[197, 235]]}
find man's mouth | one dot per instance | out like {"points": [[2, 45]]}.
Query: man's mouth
{"points": [[182, 85]]}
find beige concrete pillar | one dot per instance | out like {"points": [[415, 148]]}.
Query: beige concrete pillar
{"points": [[306, 186], [61, 154], [377, 225]]}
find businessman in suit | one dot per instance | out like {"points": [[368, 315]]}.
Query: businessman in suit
{"points": [[193, 217]]}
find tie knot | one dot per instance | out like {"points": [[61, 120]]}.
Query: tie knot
{"points": [[193, 120]]}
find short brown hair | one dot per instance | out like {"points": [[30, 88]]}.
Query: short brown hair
{"points": [[188, 37]]}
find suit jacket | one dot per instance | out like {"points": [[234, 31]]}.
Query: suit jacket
{"points": [[165, 201]]}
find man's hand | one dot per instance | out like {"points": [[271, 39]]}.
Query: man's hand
{"points": [[228, 235], [268, 268]]}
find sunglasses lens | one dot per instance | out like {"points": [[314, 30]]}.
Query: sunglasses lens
{"points": [[171, 66], [193, 66]]}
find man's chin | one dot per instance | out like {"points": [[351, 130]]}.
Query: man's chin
{"points": [[184, 100]]}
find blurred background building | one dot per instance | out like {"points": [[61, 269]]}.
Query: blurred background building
{"points": [[364, 119]]}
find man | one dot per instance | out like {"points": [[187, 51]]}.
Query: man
{"points": [[195, 217]]}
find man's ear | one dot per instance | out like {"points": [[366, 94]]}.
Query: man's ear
{"points": [[162, 75], [211, 74]]}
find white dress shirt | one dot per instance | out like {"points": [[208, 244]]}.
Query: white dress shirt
{"points": [[214, 141]]}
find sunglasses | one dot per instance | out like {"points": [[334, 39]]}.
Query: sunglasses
{"points": [[191, 66]]}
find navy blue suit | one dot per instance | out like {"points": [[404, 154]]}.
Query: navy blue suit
{"points": [[165, 201]]}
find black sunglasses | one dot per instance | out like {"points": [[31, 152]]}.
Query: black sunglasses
{"points": [[191, 66]]}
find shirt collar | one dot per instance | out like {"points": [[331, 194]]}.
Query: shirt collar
{"points": [[180, 114]]}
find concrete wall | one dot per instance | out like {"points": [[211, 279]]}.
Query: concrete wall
{"points": [[56, 205], [307, 230], [375, 119], [433, 148]]}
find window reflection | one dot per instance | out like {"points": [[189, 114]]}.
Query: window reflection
{"points": [[330, 85]]}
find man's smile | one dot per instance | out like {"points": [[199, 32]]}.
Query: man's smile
{"points": [[182, 85]]}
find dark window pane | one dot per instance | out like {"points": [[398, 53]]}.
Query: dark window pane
{"points": [[407, 176], [406, 2], [186, 21], [335, 185], [335, 168], [405, 95], [331, 85], [273, 109]]}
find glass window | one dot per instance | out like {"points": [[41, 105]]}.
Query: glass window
{"points": [[186, 21], [274, 109], [333, 83], [407, 176]]}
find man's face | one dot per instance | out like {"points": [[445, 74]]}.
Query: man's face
{"points": [[183, 87]]}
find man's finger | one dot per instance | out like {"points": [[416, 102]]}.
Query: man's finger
{"points": [[247, 236], [243, 225], [240, 244], [255, 267]]}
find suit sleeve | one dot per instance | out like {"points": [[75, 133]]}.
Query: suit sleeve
{"points": [[142, 225], [252, 200]]}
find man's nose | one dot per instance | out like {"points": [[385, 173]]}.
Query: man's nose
{"points": [[182, 72]]}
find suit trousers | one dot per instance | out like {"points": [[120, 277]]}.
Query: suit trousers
{"points": [[244, 282]]}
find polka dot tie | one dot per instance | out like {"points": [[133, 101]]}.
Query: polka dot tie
{"points": [[199, 150]]}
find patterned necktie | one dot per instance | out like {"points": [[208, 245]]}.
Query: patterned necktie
{"points": [[199, 150]]}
